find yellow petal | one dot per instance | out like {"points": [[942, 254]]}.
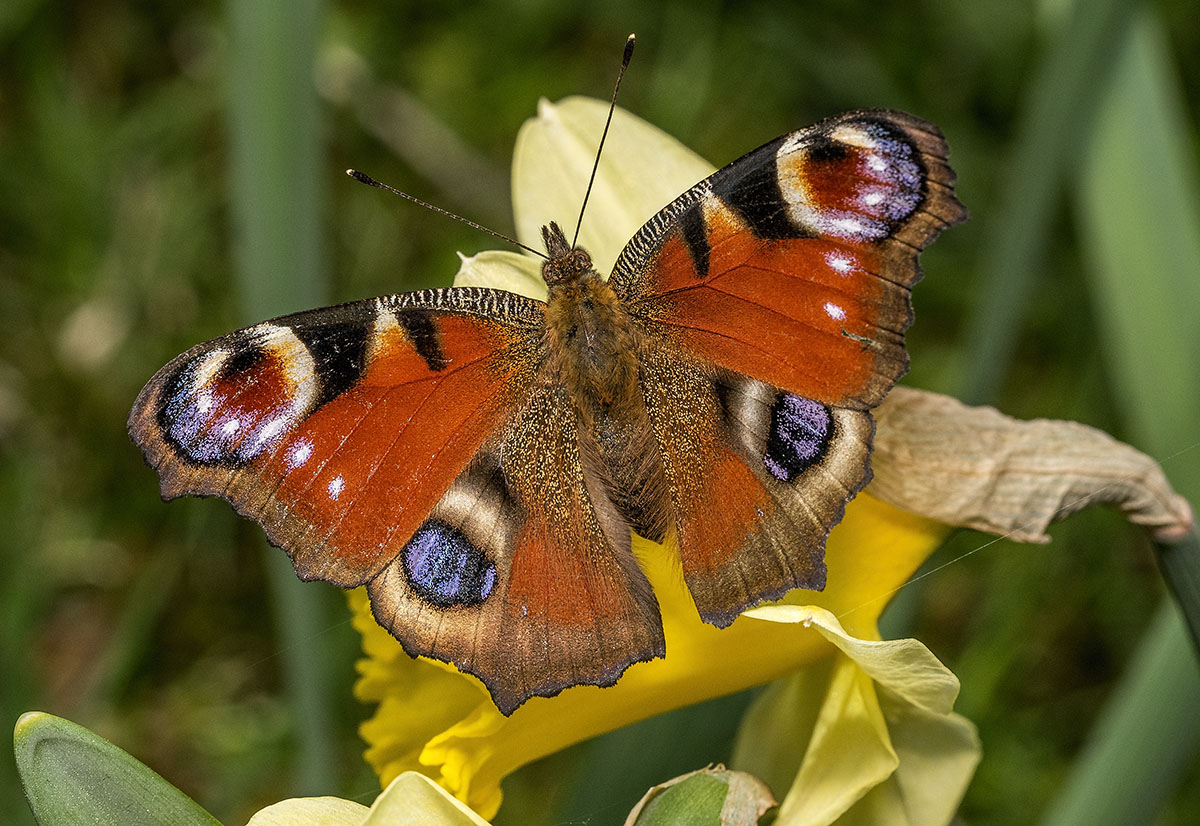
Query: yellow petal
{"points": [[432, 720], [414, 800], [311, 811], [885, 746], [502, 270], [641, 171]]}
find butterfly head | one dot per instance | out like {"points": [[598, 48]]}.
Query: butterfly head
{"points": [[565, 263]]}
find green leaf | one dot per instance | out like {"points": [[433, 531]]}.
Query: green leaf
{"points": [[73, 776]]}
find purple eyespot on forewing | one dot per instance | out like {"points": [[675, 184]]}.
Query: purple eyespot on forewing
{"points": [[800, 433], [446, 568], [230, 417], [893, 163]]}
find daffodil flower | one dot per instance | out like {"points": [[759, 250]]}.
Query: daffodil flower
{"points": [[862, 731]]}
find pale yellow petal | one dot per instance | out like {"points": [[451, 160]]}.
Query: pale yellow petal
{"points": [[311, 811], [885, 747], [502, 270], [642, 170], [413, 799], [905, 667], [937, 758], [848, 755]]}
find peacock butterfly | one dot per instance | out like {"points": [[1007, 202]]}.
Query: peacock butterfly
{"points": [[478, 459]]}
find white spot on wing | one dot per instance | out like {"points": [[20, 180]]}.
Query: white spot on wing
{"points": [[839, 262], [872, 198], [876, 162], [268, 432], [299, 453], [847, 226], [230, 427], [336, 485], [835, 312]]}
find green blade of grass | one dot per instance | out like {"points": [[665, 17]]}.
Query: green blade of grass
{"points": [[1140, 230], [1180, 562], [277, 191], [1062, 96], [1144, 739]]}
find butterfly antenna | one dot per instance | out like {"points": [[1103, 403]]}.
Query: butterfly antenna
{"points": [[612, 106], [364, 178]]}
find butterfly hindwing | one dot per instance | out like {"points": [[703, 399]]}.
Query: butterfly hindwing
{"points": [[534, 595], [339, 429], [794, 263], [758, 477]]}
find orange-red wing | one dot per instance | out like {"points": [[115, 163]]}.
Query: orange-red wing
{"points": [[513, 578], [339, 429], [793, 265], [757, 478]]}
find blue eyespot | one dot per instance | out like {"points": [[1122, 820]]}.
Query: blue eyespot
{"points": [[446, 568], [800, 432]]}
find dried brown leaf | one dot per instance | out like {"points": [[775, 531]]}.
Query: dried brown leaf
{"points": [[977, 468]]}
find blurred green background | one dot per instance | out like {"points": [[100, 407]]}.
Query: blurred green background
{"points": [[170, 171]]}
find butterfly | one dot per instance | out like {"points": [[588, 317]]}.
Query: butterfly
{"points": [[479, 459]]}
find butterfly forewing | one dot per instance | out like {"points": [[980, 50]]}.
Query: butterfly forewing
{"points": [[794, 263], [338, 429]]}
